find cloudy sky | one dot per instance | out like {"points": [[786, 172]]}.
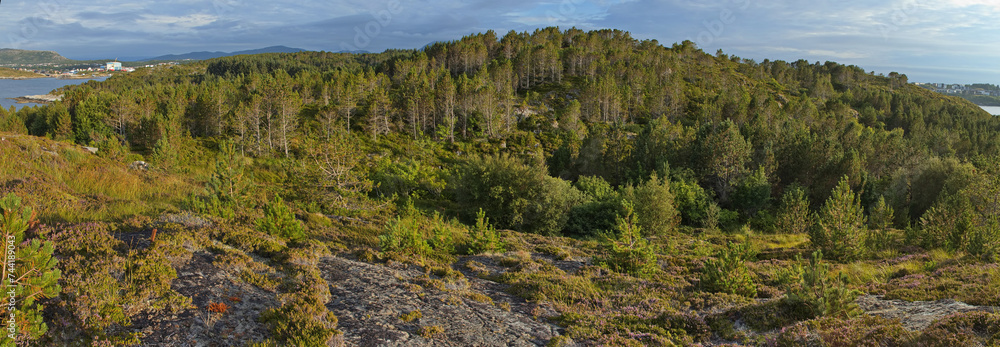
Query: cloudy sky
{"points": [[929, 40]]}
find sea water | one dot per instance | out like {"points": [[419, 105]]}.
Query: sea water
{"points": [[35, 86]]}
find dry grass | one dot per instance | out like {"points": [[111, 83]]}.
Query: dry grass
{"points": [[68, 184]]}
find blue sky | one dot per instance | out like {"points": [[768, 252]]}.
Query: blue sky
{"points": [[929, 40]]}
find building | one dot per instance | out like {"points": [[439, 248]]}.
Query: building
{"points": [[114, 66]]}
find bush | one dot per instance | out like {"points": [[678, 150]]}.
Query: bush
{"points": [[592, 218], [728, 273], [654, 206], [753, 193], [628, 252], [402, 236], [302, 321], [34, 276], [793, 214], [280, 221], [515, 195], [879, 222], [484, 238], [840, 225], [692, 201], [816, 295]]}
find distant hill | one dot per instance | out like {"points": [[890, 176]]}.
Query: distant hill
{"points": [[210, 55], [23, 57]]}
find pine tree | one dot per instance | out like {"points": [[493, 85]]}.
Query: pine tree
{"points": [[28, 268], [840, 225], [793, 214]]}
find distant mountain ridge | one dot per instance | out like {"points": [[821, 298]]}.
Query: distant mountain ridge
{"points": [[210, 55], [9, 56]]}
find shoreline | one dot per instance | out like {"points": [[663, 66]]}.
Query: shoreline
{"points": [[61, 77], [37, 99]]}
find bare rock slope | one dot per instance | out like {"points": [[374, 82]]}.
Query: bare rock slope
{"points": [[399, 305]]}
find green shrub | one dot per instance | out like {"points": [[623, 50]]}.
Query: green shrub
{"points": [[840, 225], [484, 238], [712, 215], [402, 236], [628, 251], [280, 221], [692, 201], [816, 295], [753, 193], [442, 235], [654, 206], [516, 195], [302, 321], [728, 273], [34, 276], [793, 213], [592, 218]]}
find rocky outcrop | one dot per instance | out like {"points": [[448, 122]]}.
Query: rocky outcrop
{"points": [[399, 305], [38, 98], [915, 315]]}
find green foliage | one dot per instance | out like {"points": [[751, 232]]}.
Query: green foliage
{"points": [[33, 277], [303, 320], [728, 272], [840, 225], [597, 214], [596, 188], [692, 201], [484, 238], [280, 221], [713, 214], [753, 193], [628, 251], [407, 178], [879, 222], [228, 181], [724, 154], [816, 295], [515, 195], [402, 236], [654, 206]]}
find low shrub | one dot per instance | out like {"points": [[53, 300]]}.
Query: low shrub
{"points": [[280, 221], [484, 238], [963, 329], [728, 273], [402, 237], [629, 252], [817, 295]]}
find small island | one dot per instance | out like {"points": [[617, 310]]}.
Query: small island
{"points": [[38, 99]]}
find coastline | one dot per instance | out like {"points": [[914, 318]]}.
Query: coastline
{"points": [[37, 99], [62, 77]]}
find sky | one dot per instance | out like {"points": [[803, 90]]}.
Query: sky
{"points": [[954, 41]]}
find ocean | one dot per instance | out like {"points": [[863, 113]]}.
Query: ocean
{"points": [[994, 110], [36, 86]]}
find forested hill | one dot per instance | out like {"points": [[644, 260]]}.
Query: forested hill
{"points": [[668, 168], [587, 103]]}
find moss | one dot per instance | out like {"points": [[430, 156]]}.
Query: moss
{"points": [[411, 316], [431, 332]]}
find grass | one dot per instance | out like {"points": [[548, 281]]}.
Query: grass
{"points": [[67, 184]]}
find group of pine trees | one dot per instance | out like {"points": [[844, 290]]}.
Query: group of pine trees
{"points": [[732, 139]]}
